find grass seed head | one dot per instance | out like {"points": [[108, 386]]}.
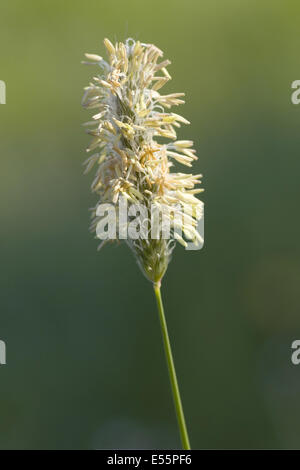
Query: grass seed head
{"points": [[129, 116]]}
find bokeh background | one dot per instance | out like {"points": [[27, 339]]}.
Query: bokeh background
{"points": [[85, 365]]}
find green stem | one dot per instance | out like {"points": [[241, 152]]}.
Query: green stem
{"points": [[172, 373]]}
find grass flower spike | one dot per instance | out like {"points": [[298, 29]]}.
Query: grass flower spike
{"points": [[130, 117], [134, 147]]}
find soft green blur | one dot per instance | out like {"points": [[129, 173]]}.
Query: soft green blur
{"points": [[85, 365]]}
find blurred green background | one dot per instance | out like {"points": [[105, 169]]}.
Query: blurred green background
{"points": [[85, 365]]}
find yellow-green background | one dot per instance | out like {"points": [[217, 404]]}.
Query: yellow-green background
{"points": [[85, 365]]}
